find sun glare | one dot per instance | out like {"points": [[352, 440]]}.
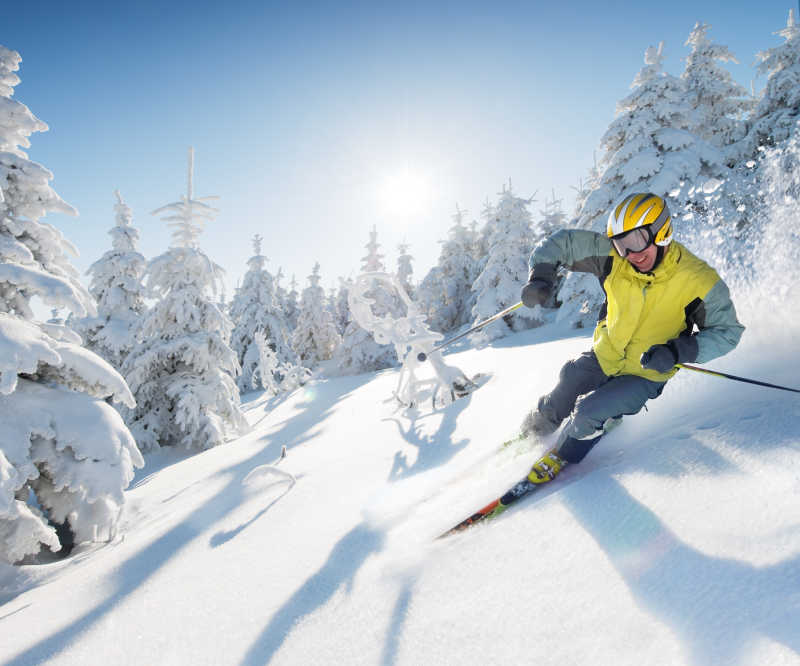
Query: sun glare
{"points": [[404, 193]]}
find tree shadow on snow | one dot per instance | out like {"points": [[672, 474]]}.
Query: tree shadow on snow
{"points": [[223, 536], [432, 450], [319, 399], [138, 569], [344, 561], [395, 630], [717, 606]]}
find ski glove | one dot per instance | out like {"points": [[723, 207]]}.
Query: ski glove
{"points": [[662, 358], [536, 292]]}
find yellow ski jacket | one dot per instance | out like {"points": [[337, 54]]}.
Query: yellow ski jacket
{"points": [[682, 295]]}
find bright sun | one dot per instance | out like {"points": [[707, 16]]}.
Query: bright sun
{"points": [[404, 193]]}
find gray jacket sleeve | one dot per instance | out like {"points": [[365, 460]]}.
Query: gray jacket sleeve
{"points": [[720, 330], [575, 249]]}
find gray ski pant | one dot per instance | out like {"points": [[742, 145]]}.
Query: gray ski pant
{"points": [[588, 397]]}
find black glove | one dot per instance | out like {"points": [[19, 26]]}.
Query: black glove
{"points": [[662, 358], [536, 292]]}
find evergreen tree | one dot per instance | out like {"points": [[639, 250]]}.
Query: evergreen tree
{"points": [[51, 471], [585, 189], [404, 269], [649, 145], [182, 370], [776, 113], [117, 287], [256, 308], [373, 262], [506, 270], [553, 219], [341, 313], [315, 338], [458, 271], [718, 103], [430, 299], [291, 305], [358, 351]]}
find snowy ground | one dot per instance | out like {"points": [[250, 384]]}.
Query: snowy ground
{"points": [[676, 542]]}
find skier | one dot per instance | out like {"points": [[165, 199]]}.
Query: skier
{"points": [[663, 306]]}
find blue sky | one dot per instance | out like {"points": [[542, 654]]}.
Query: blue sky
{"points": [[315, 122]]}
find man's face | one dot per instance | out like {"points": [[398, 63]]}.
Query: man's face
{"points": [[645, 260]]}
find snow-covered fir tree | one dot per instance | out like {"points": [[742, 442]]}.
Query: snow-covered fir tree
{"points": [[358, 351], [341, 314], [65, 453], [373, 262], [552, 219], [256, 307], [404, 269], [584, 189], [506, 270], [315, 338], [774, 117], [116, 284], [719, 104], [649, 147], [182, 370], [482, 241], [430, 298], [447, 297], [290, 302]]}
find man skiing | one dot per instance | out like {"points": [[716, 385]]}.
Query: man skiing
{"points": [[663, 306]]}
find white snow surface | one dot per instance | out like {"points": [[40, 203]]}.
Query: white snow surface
{"points": [[677, 540]]}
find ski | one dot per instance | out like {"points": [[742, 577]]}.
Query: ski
{"points": [[495, 508]]}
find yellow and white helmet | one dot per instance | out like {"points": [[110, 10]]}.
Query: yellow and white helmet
{"points": [[645, 211]]}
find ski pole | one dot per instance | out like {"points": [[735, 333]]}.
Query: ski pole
{"points": [[422, 356], [738, 379]]}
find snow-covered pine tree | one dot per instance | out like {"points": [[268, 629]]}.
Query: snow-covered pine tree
{"points": [[373, 262], [404, 269], [315, 338], [552, 219], [715, 215], [482, 239], [649, 146], [506, 270], [256, 307], [358, 352], [182, 370], [584, 188], [775, 115], [458, 269], [291, 304], [116, 284], [719, 104], [341, 313], [65, 454]]}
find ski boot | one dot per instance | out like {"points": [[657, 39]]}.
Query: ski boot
{"points": [[546, 468]]}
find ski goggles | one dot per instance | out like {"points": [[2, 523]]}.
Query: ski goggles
{"points": [[635, 240]]}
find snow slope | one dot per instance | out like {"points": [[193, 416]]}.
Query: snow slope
{"points": [[677, 541]]}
